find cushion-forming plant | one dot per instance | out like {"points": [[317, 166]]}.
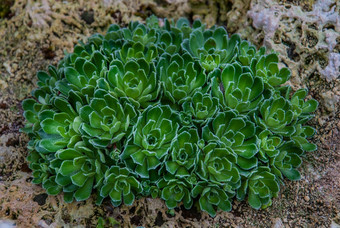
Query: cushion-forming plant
{"points": [[171, 110]]}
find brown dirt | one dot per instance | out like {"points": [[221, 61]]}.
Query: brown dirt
{"points": [[38, 32]]}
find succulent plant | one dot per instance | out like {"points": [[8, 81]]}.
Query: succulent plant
{"points": [[212, 46], [136, 80], [217, 165], [276, 115], [248, 53], [105, 120], [175, 191], [120, 185], [170, 110], [268, 145], [235, 133], [150, 140], [286, 162], [260, 186], [201, 107], [183, 153], [40, 164], [150, 188], [266, 67], [212, 197], [181, 76], [238, 90]]}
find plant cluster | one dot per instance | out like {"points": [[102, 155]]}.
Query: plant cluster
{"points": [[176, 111]]}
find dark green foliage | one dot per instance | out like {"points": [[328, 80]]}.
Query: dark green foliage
{"points": [[180, 112]]}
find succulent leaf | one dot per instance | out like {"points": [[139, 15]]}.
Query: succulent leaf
{"points": [[212, 197], [260, 186], [201, 107], [181, 76], [135, 79], [238, 90], [217, 165], [175, 191], [150, 140], [183, 154], [236, 134], [286, 162], [120, 186]]}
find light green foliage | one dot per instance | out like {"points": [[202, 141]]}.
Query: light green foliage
{"points": [[120, 186], [212, 196], [201, 108], [183, 153], [175, 191], [218, 165], [180, 76], [136, 80], [237, 88], [260, 186], [150, 141], [169, 110]]}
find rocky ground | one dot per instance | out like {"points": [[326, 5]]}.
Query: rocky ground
{"points": [[305, 33]]}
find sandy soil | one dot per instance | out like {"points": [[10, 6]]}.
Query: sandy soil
{"points": [[34, 34]]}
